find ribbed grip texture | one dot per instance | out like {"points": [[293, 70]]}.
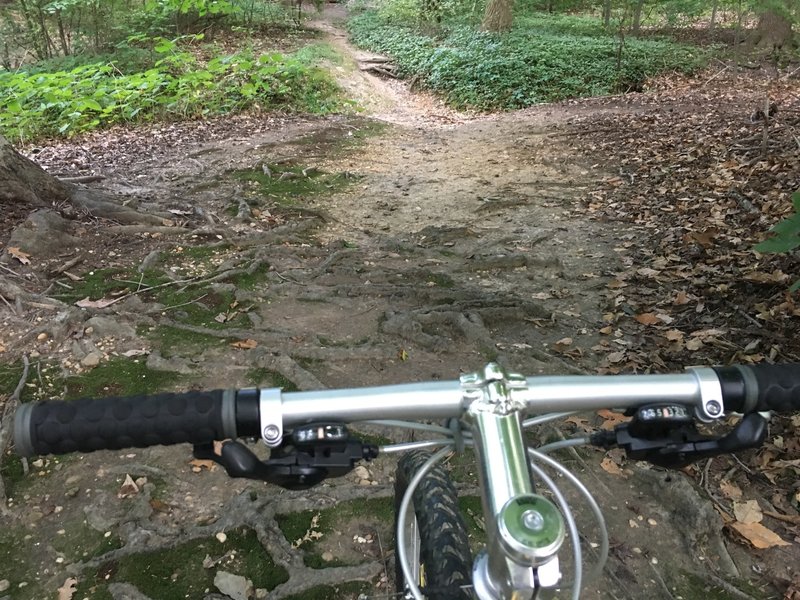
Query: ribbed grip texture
{"points": [[59, 427], [778, 387]]}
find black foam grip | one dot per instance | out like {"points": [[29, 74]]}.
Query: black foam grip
{"points": [[778, 387], [59, 427]]}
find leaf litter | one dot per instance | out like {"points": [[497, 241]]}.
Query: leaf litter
{"points": [[700, 178]]}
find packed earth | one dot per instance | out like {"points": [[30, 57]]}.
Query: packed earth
{"points": [[405, 242]]}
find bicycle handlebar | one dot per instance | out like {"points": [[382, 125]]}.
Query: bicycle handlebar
{"points": [[59, 427]]}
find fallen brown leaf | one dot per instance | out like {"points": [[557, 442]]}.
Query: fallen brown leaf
{"points": [[579, 422], [199, 464], [648, 319], [681, 298], [87, 303], [611, 418], [245, 344], [129, 488], [609, 466], [66, 591], [747, 512], [21, 256], [674, 335], [758, 535], [730, 490]]}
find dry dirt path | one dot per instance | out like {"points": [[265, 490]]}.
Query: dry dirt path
{"points": [[460, 241]]}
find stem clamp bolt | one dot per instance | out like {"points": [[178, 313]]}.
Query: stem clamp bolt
{"points": [[271, 433]]}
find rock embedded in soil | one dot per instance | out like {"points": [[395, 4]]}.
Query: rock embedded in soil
{"points": [[92, 359], [44, 234], [235, 586]]}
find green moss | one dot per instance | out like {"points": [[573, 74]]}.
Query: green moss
{"points": [[352, 589], [103, 283], [286, 184], [261, 377], [79, 542], [119, 377], [370, 438], [174, 340], [178, 573], [441, 280], [12, 472], [693, 585], [16, 563], [44, 381], [472, 511], [295, 526], [462, 468], [249, 281], [9, 378]]}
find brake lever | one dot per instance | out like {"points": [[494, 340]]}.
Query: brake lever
{"points": [[676, 443], [311, 455]]}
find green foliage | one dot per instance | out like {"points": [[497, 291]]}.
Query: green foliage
{"points": [[125, 60], [177, 86], [786, 236], [535, 62]]}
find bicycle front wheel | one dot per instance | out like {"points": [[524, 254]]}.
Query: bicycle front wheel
{"points": [[436, 537]]}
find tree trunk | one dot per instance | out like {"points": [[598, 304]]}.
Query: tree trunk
{"points": [[774, 30], [23, 181], [636, 26], [607, 13], [498, 16], [713, 22]]}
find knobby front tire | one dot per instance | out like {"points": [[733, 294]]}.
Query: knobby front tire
{"points": [[439, 540]]}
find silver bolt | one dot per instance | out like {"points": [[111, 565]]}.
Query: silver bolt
{"points": [[533, 520], [271, 433], [713, 408]]}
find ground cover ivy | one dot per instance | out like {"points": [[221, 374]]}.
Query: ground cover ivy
{"points": [[529, 65]]}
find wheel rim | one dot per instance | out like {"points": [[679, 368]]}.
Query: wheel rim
{"points": [[412, 545]]}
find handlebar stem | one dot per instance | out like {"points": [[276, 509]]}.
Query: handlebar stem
{"points": [[508, 568]]}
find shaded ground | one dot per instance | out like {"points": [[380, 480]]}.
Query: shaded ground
{"points": [[410, 245]]}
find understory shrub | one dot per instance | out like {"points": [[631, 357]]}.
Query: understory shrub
{"points": [[526, 66], [97, 95]]}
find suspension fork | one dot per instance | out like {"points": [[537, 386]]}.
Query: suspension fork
{"points": [[524, 530]]}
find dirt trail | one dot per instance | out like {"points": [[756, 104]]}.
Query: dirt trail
{"points": [[458, 240]]}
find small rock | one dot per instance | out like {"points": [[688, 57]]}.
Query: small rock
{"points": [[41, 337], [72, 492], [235, 586], [261, 593], [362, 472], [109, 327], [221, 537], [38, 463], [92, 359], [327, 556], [4, 585], [174, 364]]}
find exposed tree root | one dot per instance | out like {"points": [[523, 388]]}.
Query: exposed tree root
{"points": [[6, 424], [288, 367]]}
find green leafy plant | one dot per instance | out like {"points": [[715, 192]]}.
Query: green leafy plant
{"points": [[785, 236], [177, 86], [535, 62]]}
